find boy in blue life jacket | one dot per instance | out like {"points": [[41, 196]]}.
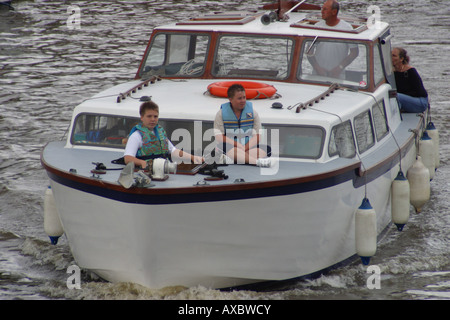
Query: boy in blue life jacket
{"points": [[149, 140], [237, 128]]}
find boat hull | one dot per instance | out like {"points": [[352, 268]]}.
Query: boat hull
{"points": [[218, 243]]}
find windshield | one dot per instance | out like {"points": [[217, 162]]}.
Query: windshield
{"points": [[176, 55], [265, 57], [334, 61]]}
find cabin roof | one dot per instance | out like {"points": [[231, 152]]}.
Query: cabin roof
{"points": [[298, 24], [174, 106]]}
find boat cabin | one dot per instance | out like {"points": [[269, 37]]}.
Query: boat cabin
{"points": [[259, 47]]}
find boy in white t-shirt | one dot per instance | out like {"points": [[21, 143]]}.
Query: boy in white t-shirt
{"points": [[149, 140]]}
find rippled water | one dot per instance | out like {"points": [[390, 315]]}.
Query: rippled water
{"points": [[46, 69]]}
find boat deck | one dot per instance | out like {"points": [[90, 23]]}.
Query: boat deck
{"points": [[82, 160]]}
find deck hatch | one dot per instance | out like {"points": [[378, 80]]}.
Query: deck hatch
{"points": [[358, 24], [222, 18]]}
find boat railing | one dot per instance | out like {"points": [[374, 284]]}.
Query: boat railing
{"points": [[145, 83], [317, 99]]}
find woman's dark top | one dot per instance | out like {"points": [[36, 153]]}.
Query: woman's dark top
{"points": [[410, 83]]}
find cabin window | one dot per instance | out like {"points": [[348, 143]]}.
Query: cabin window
{"points": [[341, 141], [176, 55], [294, 141], [377, 65], [197, 137], [272, 59], [113, 131], [102, 130], [336, 61], [364, 131], [379, 120], [194, 137]]}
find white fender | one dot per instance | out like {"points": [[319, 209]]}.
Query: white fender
{"points": [[366, 231], [400, 201], [433, 133], [52, 223], [419, 184], [426, 151]]}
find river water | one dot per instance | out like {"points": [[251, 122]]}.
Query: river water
{"points": [[48, 66]]}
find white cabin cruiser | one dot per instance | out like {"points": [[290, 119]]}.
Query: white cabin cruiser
{"points": [[337, 140]]}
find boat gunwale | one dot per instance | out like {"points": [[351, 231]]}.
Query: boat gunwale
{"points": [[199, 188]]}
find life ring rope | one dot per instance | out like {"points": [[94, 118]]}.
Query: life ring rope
{"points": [[253, 90]]}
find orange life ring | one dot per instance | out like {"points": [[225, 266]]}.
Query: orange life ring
{"points": [[253, 90]]}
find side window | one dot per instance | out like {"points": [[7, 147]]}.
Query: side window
{"points": [[364, 131], [379, 120], [188, 136], [102, 130], [341, 141], [377, 65]]}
